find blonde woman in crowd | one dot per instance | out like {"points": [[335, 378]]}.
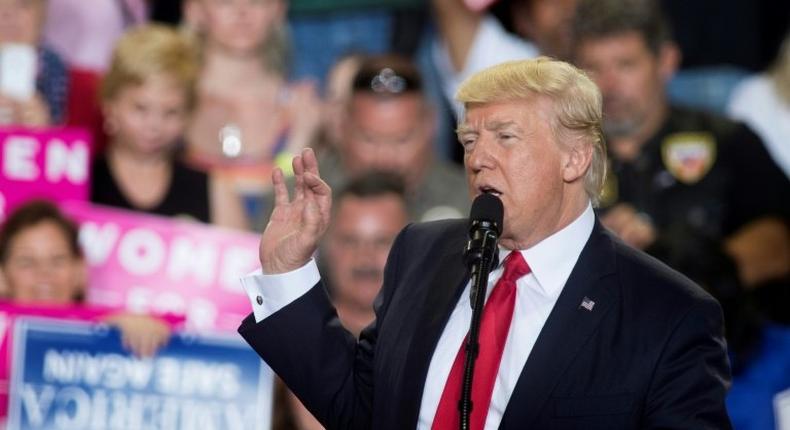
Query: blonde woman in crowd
{"points": [[763, 102], [147, 95], [247, 114]]}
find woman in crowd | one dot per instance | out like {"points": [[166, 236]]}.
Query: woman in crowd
{"points": [[41, 264], [247, 115], [147, 95]]}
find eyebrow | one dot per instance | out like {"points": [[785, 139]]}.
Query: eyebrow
{"points": [[499, 125], [464, 129]]}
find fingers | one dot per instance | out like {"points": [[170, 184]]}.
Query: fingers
{"points": [[618, 218], [298, 166], [280, 190], [316, 185], [310, 161]]}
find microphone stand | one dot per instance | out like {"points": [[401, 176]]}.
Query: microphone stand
{"points": [[482, 250]]}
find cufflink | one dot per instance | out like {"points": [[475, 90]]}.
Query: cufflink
{"points": [[259, 299]]}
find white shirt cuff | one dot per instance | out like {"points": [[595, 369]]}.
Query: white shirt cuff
{"points": [[270, 293]]}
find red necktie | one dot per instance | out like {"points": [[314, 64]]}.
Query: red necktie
{"points": [[494, 326]]}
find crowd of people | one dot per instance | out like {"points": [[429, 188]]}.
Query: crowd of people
{"points": [[189, 117]]}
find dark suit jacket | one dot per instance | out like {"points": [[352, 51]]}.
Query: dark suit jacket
{"points": [[650, 354]]}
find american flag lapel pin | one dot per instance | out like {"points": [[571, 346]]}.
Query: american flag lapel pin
{"points": [[587, 304]]}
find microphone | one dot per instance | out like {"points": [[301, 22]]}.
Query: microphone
{"points": [[480, 256], [485, 226]]}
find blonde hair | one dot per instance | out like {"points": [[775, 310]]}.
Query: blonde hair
{"points": [[148, 51], [576, 101]]}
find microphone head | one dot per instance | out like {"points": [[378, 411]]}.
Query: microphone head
{"points": [[487, 208]]}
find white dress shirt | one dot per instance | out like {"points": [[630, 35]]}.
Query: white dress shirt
{"points": [[491, 45], [551, 261]]}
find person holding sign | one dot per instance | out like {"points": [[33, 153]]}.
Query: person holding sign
{"points": [[147, 96], [41, 263]]}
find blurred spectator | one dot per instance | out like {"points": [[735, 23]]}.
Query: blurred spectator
{"points": [[246, 113], [84, 33], [390, 127], [41, 263], [695, 190], [369, 213], [763, 102], [546, 23], [337, 95], [471, 40], [33, 78], [147, 95]]}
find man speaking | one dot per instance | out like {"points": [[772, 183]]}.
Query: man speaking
{"points": [[579, 331]]}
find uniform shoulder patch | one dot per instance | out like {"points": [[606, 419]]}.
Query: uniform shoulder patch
{"points": [[688, 156]]}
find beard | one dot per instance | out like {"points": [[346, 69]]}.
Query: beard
{"points": [[620, 128], [624, 122]]}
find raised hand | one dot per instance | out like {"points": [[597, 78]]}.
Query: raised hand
{"points": [[296, 226]]}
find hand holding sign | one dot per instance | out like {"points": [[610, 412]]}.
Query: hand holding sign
{"points": [[296, 225]]}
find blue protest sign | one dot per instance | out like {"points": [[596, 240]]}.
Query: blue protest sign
{"points": [[73, 375]]}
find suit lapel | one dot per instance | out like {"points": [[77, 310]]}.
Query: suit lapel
{"points": [[444, 288], [567, 329]]}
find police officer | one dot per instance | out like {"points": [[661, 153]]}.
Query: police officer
{"points": [[697, 191]]}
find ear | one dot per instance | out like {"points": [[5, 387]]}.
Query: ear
{"points": [[669, 57], [576, 160]]}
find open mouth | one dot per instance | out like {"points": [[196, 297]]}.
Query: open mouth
{"points": [[485, 189]]}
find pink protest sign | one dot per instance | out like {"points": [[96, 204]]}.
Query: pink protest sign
{"points": [[43, 163], [146, 263]]}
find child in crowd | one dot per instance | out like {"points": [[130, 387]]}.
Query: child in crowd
{"points": [[33, 79], [147, 95], [247, 114]]}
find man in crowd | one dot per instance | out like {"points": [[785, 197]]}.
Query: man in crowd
{"points": [[369, 213], [697, 191], [581, 331], [389, 125], [471, 38]]}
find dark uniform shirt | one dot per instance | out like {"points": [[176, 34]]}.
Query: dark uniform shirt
{"points": [[703, 173], [698, 180]]}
